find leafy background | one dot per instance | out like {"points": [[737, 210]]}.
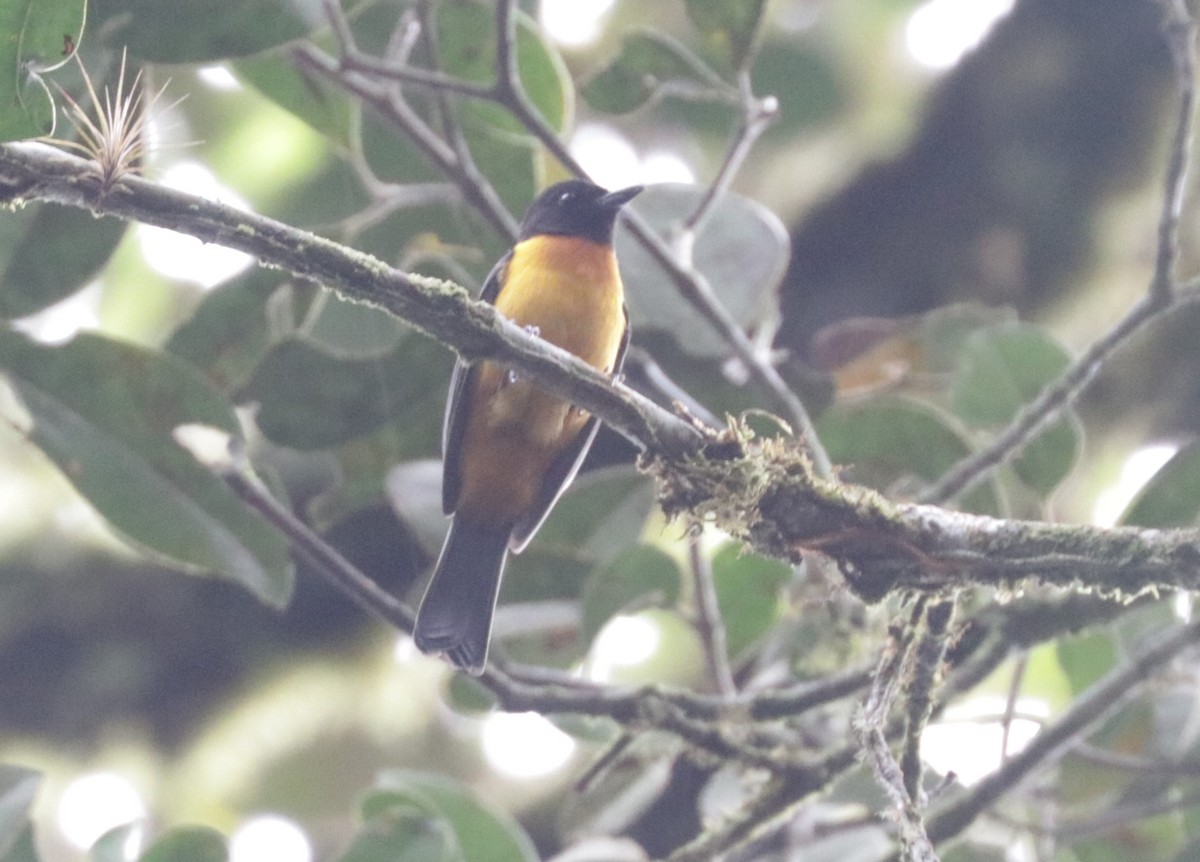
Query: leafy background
{"points": [[931, 247]]}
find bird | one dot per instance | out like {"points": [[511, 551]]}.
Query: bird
{"points": [[510, 449]]}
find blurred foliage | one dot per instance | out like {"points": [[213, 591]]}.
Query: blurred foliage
{"points": [[886, 233]]}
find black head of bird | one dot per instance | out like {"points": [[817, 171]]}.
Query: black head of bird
{"points": [[577, 208]]}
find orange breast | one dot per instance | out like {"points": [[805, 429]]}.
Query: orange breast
{"points": [[570, 290]]}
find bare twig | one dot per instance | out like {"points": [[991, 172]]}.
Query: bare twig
{"points": [[709, 623], [1010, 703], [1188, 767], [386, 102], [1044, 409], [640, 365], [323, 558], [1180, 34], [757, 116], [1093, 705]]}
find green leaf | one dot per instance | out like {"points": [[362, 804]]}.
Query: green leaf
{"points": [[1086, 658], [747, 588], [311, 399], [22, 849], [601, 515], [887, 440], [479, 829], [113, 845], [33, 41], [18, 786], [809, 82], [105, 412], [188, 844], [648, 61], [230, 332], [200, 31], [354, 329], [58, 250], [943, 332], [742, 250], [396, 830], [639, 576], [326, 108], [1172, 496], [1000, 370], [730, 27]]}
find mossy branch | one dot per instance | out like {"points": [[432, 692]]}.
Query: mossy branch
{"points": [[765, 493]]}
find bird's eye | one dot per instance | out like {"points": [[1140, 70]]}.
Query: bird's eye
{"points": [[564, 197]]}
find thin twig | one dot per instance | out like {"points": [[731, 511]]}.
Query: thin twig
{"points": [[770, 806], [1157, 767], [641, 366], [1180, 34], [1096, 703], [320, 554], [473, 187], [695, 288], [1045, 409], [1113, 819], [1010, 703], [709, 623], [757, 116]]}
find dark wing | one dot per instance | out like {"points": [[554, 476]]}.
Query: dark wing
{"points": [[565, 466], [454, 426]]}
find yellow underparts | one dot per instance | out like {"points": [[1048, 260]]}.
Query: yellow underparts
{"points": [[570, 290]]}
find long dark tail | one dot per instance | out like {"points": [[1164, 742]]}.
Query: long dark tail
{"points": [[456, 614]]}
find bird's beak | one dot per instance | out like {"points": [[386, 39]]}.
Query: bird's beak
{"points": [[616, 200]]}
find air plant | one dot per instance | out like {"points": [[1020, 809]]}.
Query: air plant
{"points": [[113, 133]]}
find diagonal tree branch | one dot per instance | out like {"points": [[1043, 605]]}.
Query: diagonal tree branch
{"points": [[441, 309], [763, 492]]}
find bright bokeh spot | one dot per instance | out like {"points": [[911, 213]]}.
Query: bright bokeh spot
{"points": [[62, 321], [185, 258], [574, 22], [611, 160], [625, 641], [218, 78], [940, 32], [1137, 470], [95, 803], [269, 836], [524, 745], [968, 741], [665, 167], [606, 155]]}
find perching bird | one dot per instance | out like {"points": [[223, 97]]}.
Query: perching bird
{"points": [[509, 448]]}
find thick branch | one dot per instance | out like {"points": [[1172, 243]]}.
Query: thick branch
{"points": [[766, 494], [441, 309]]}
